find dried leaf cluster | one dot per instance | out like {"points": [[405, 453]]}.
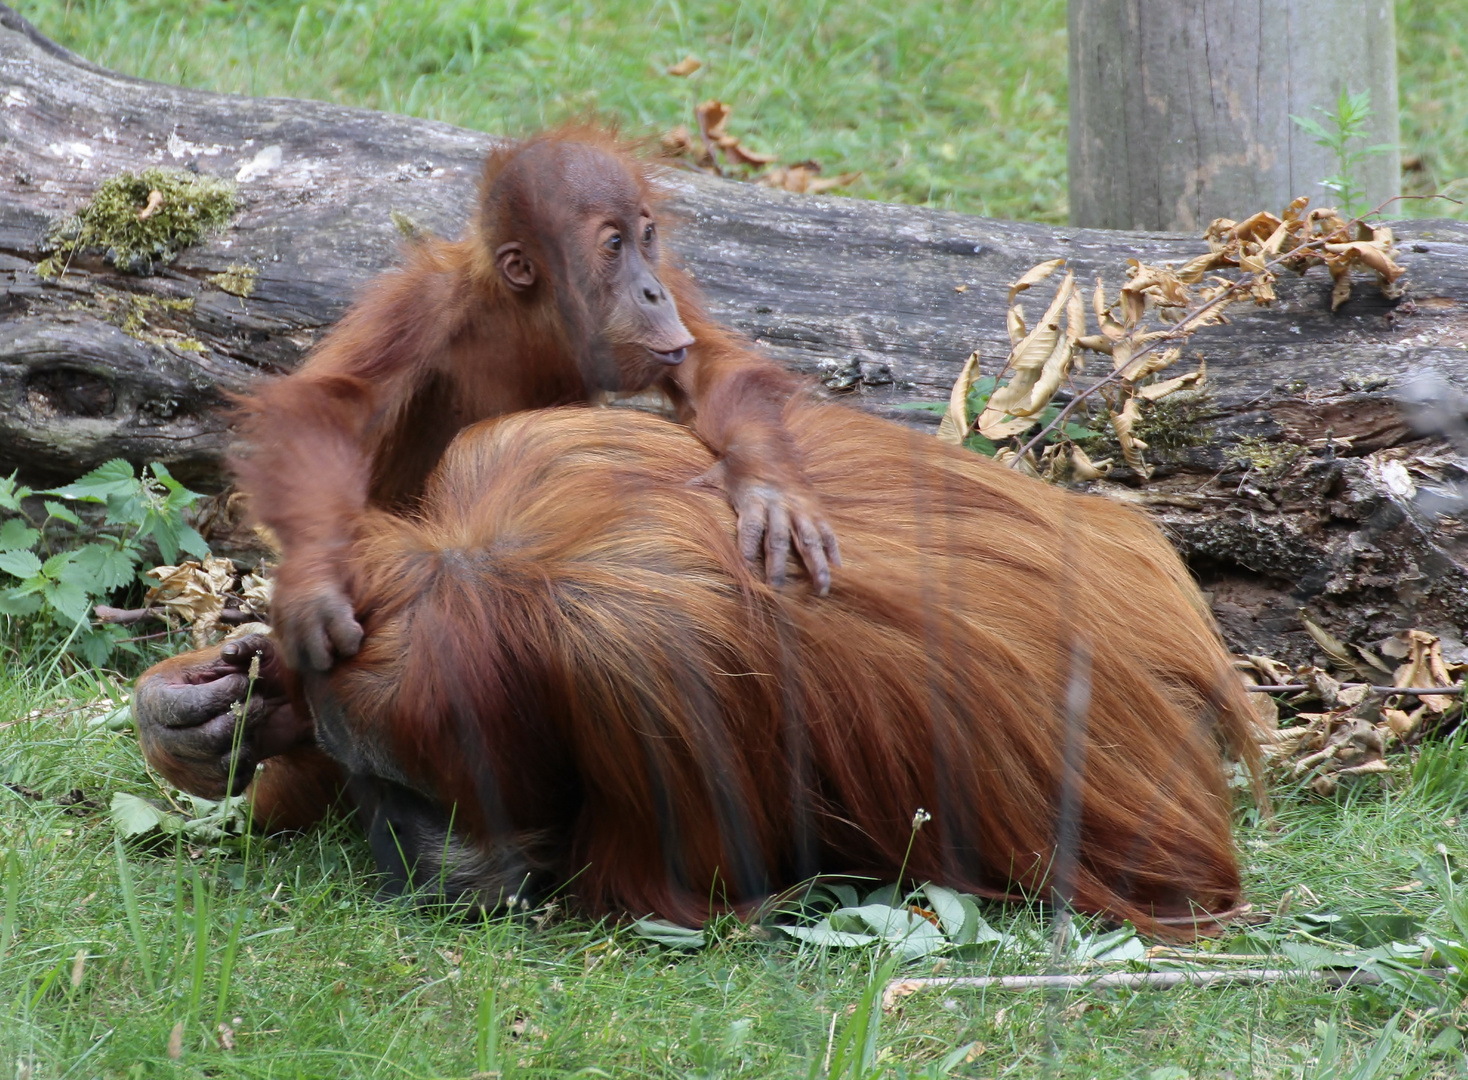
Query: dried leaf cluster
{"points": [[197, 594], [718, 151], [1142, 328], [1299, 240], [1354, 727]]}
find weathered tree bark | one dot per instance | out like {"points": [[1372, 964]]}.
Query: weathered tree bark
{"points": [[861, 296], [1180, 109]]}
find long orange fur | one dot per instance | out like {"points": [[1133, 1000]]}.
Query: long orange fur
{"points": [[666, 728]]}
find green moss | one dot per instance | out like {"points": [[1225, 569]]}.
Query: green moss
{"points": [[1175, 422], [237, 279], [1264, 456], [405, 225], [136, 229], [140, 316]]}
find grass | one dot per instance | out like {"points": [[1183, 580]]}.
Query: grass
{"points": [[945, 103], [953, 103], [285, 945]]}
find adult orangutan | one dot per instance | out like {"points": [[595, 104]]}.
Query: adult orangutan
{"points": [[570, 677], [557, 293]]}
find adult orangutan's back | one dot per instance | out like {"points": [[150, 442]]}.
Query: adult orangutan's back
{"points": [[569, 648]]}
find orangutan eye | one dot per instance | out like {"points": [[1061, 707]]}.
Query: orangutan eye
{"points": [[647, 234], [613, 242]]}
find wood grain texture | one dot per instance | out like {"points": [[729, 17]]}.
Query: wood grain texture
{"points": [[1180, 109]]}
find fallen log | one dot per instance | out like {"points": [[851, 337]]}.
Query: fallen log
{"points": [[1283, 485]]}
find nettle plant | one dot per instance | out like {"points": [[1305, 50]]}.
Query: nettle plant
{"points": [[55, 568]]}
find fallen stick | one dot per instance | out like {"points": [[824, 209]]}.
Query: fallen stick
{"points": [[1294, 688], [127, 616], [898, 989]]}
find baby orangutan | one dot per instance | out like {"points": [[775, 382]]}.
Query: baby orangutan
{"points": [[559, 292]]}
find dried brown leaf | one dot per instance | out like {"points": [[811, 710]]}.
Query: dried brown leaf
{"points": [[195, 592], [1193, 270], [1033, 276], [676, 142], [685, 67], [954, 426], [1083, 468], [1011, 459], [1256, 226], [712, 115], [1152, 363], [1122, 424], [805, 179], [1340, 291], [1158, 390], [743, 155], [1037, 365], [1332, 646], [1014, 322]]}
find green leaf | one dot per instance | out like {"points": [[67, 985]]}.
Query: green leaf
{"points": [[109, 567], [132, 816], [73, 572], [912, 935], [11, 493], [61, 512], [113, 478], [981, 444], [976, 931], [165, 534], [1446, 1041], [1375, 929], [179, 497], [16, 535], [94, 645], [22, 564], [823, 934], [1119, 944], [190, 540], [127, 508], [18, 602], [948, 907], [670, 935], [884, 895], [70, 600], [1311, 126], [1314, 957], [56, 565]]}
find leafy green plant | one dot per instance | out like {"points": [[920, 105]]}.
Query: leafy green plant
{"points": [[61, 565], [1343, 133], [978, 397], [900, 923]]}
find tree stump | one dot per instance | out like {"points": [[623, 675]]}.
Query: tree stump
{"points": [[1283, 486], [1180, 110]]}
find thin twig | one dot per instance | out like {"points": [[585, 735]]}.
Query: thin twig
{"points": [[125, 616], [1128, 980], [1387, 690]]}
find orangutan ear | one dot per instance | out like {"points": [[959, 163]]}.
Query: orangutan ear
{"points": [[515, 266]]}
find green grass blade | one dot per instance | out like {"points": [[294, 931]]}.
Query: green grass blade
{"points": [[134, 917]]}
